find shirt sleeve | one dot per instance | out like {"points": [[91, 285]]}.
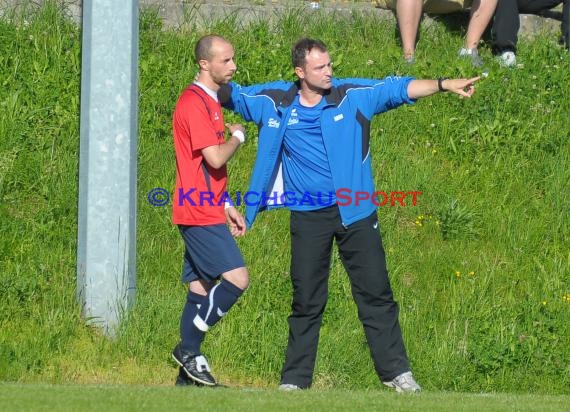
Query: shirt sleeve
{"points": [[251, 102], [194, 117], [390, 93], [375, 96]]}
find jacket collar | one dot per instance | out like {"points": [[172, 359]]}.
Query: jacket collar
{"points": [[333, 97], [289, 96]]}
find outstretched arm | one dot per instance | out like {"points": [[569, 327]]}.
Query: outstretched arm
{"points": [[423, 88], [251, 102]]}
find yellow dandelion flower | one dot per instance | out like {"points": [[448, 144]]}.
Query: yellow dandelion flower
{"points": [[544, 303], [457, 273], [471, 273]]}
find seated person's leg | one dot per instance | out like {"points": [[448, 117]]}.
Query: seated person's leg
{"points": [[566, 23], [507, 23], [504, 31], [481, 14], [408, 13], [538, 6]]}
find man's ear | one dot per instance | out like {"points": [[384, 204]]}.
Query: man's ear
{"points": [[203, 64], [300, 72]]}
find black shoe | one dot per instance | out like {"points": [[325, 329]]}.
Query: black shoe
{"points": [[183, 380], [195, 366]]}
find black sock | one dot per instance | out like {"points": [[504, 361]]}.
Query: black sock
{"points": [[191, 337], [219, 300]]}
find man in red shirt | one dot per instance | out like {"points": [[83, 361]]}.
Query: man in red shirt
{"points": [[213, 268]]}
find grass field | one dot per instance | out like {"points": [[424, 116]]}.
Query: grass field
{"points": [[109, 398], [480, 267]]}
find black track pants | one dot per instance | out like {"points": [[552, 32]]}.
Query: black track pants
{"points": [[361, 251], [506, 23]]}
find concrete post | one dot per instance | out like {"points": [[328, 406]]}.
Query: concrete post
{"points": [[106, 255]]}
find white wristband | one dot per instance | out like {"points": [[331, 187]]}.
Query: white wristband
{"points": [[239, 135], [228, 204]]}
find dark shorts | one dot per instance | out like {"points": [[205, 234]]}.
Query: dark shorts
{"points": [[209, 252]]}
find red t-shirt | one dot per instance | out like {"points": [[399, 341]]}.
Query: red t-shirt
{"points": [[197, 123]]}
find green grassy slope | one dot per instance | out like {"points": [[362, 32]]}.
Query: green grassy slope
{"points": [[480, 266]]}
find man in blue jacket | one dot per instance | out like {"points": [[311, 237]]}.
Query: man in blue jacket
{"points": [[313, 155]]}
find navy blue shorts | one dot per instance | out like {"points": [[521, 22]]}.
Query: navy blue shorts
{"points": [[210, 251]]}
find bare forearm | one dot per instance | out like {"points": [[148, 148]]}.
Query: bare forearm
{"points": [[217, 156], [423, 88]]}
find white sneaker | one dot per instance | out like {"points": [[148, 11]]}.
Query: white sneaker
{"points": [[288, 387], [404, 383], [473, 54], [507, 59]]}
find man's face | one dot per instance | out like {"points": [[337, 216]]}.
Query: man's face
{"points": [[221, 67], [317, 72]]}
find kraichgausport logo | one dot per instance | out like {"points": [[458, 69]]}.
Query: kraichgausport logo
{"points": [[341, 197]]}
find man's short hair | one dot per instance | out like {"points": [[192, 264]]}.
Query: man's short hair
{"points": [[304, 46], [203, 48]]}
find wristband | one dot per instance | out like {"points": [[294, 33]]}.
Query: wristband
{"points": [[227, 204], [440, 84], [239, 135]]}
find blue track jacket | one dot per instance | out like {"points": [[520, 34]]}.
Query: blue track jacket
{"points": [[345, 125]]}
